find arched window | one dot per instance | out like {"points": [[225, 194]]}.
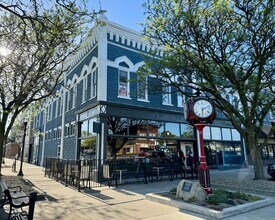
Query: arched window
{"points": [[123, 81]]}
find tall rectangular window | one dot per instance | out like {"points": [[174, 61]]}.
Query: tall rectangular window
{"points": [[74, 91], [72, 128], [123, 87], [56, 107], [180, 99], [142, 88], [94, 83], [85, 90], [61, 98], [68, 100], [166, 95]]}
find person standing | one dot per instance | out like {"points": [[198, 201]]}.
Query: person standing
{"points": [[182, 157], [190, 163], [182, 162]]}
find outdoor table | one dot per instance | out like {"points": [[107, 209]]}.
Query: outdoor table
{"points": [[158, 168], [120, 174]]}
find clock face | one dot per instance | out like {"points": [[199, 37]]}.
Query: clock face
{"points": [[202, 108]]}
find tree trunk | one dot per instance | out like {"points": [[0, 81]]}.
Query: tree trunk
{"points": [[257, 162], [1, 152]]}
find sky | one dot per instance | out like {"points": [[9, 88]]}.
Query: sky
{"points": [[128, 13]]}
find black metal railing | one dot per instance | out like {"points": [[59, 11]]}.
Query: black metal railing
{"points": [[77, 173], [83, 174]]}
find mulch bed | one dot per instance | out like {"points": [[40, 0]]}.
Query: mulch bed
{"points": [[219, 207]]}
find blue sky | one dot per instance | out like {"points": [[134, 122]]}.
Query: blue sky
{"points": [[125, 12]]}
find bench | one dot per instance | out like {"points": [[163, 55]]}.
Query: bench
{"points": [[16, 198]]}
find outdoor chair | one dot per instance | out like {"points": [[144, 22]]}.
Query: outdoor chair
{"points": [[107, 176]]}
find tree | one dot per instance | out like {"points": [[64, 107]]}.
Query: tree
{"points": [[35, 40], [121, 127], [224, 49]]}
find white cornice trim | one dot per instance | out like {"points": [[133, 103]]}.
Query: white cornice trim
{"points": [[132, 67]]}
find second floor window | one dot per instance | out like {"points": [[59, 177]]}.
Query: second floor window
{"points": [[123, 84], [60, 108], [142, 89], [68, 101], [94, 83], [180, 99], [85, 90], [74, 91], [166, 95]]}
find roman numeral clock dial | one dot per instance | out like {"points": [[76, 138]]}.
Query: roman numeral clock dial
{"points": [[202, 108]]}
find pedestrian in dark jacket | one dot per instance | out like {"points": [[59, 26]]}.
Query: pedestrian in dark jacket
{"points": [[190, 163]]}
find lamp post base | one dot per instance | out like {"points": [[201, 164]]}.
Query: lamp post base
{"points": [[20, 173], [204, 178]]}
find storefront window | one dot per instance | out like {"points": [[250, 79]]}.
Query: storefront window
{"points": [[232, 153], [187, 131], [156, 127], [226, 134], [172, 130], [235, 135], [216, 133], [91, 121], [137, 127], [88, 148], [117, 125], [85, 129], [136, 147]]}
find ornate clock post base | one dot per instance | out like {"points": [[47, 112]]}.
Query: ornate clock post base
{"points": [[203, 169]]}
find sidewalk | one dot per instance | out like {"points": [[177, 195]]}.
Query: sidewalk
{"points": [[124, 202]]}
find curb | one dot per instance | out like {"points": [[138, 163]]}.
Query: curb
{"points": [[227, 212], [243, 189]]}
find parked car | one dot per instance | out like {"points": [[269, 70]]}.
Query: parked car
{"points": [[271, 170]]}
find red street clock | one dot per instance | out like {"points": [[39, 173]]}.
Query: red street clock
{"points": [[199, 110]]}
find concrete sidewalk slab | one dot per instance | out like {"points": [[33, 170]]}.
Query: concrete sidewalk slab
{"points": [[125, 202]]}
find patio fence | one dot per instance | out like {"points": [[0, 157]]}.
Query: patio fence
{"points": [[83, 174]]}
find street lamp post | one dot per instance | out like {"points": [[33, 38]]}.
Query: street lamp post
{"points": [[20, 173], [4, 152]]}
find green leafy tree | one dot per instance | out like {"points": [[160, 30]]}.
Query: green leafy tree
{"points": [[36, 37], [224, 49]]}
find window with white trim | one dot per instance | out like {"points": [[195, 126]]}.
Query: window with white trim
{"points": [[74, 91], [123, 84], [142, 88], [59, 132], [85, 89], [56, 107], [49, 112], [94, 83], [166, 95], [68, 100], [72, 128], [55, 133], [180, 99], [60, 105], [67, 130]]}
